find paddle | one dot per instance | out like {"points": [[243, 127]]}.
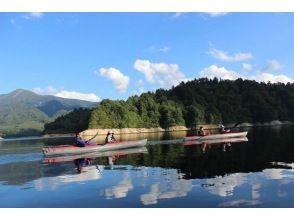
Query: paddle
{"points": [[92, 137], [234, 125]]}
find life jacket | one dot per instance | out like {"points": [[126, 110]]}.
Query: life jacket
{"points": [[80, 143], [108, 138]]}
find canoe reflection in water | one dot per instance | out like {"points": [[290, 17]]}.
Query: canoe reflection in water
{"points": [[207, 144], [90, 159]]}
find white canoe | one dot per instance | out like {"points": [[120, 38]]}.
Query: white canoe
{"points": [[119, 152], [71, 149], [217, 136], [216, 141]]}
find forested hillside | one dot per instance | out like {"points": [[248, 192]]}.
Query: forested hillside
{"points": [[24, 113], [201, 101]]}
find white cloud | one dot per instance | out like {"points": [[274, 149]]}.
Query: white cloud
{"points": [[177, 14], [223, 73], [265, 76], [272, 65], [37, 90], [166, 75], [50, 90], [219, 72], [222, 55], [215, 14], [247, 67], [155, 49], [119, 80], [77, 95], [211, 14], [33, 15], [268, 77]]}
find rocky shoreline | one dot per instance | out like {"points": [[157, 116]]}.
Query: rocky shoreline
{"points": [[92, 132], [134, 133], [120, 131]]}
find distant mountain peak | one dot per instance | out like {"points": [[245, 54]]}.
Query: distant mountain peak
{"points": [[25, 111], [19, 92]]}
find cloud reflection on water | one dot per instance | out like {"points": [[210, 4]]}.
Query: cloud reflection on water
{"points": [[155, 184], [224, 186], [170, 186], [240, 203], [52, 183], [121, 189]]}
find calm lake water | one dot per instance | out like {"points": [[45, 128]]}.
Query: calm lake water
{"points": [[253, 173]]}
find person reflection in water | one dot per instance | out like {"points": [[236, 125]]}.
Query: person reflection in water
{"points": [[201, 132], [204, 147], [111, 160], [81, 163], [226, 147]]}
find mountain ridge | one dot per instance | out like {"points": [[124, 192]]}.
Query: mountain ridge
{"points": [[23, 112]]}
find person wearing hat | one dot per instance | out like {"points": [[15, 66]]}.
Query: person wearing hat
{"points": [[112, 137], [201, 132], [223, 130], [109, 137]]}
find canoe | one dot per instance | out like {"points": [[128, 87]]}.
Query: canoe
{"points": [[71, 149], [216, 141], [119, 152], [217, 136]]}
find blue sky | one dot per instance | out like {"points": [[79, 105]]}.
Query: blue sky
{"points": [[94, 56]]}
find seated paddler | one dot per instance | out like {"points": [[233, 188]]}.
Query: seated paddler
{"points": [[79, 141]]}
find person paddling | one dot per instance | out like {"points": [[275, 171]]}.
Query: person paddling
{"points": [[79, 141], [223, 130], [201, 131], [112, 137], [109, 137]]}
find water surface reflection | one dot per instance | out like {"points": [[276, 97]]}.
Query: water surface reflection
{"points": [[257, 172]]}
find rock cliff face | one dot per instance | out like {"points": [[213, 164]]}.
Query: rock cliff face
{"points": [[122, 131], [133, 133], [92, 132]]}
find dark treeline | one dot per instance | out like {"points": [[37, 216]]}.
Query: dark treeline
{"points": [[201, 101], [76, 120]]}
